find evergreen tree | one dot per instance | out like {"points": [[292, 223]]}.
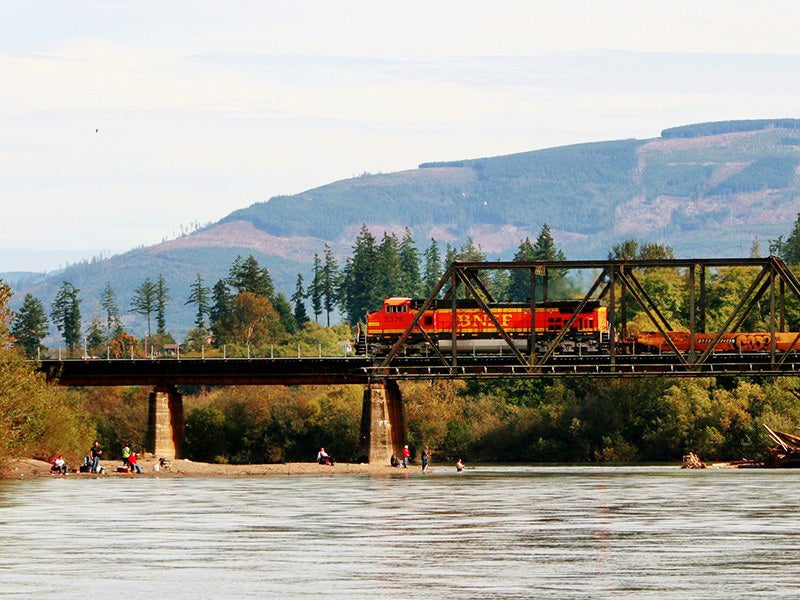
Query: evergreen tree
{"points": [[108, 302], [300, 314], [450, 256], [220, 309], [545, 246], [545, 249], [65, 313], [315, 291], [472, 252], [199, 296], [284, 310], [789, 249], [145, 302], [246, 275], [359, 293], [519, 289], [389, 269], [433, 268], [162, 297], [330, 283], [30, 326], [95, 335], [410, 283]]}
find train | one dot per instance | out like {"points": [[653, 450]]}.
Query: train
{"points": [[475, 332], [589, 332]]}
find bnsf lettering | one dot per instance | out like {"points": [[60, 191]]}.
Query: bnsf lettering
{"points": [[481, 320]]}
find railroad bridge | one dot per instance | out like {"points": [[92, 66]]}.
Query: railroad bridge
{"points": [[615, 283]]}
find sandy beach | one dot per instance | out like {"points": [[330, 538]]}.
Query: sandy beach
{"points": [[28, 468]]}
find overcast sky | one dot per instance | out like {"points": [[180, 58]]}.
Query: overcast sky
{"points": [[123, 122]]}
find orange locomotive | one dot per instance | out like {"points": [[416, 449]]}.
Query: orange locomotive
{"points": [[475, 331]]}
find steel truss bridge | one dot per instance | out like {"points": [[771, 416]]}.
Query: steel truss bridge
{"points": [[617, 283]]}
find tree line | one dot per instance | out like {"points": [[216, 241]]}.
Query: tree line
{"points": [[243, 310], [656, 419]]}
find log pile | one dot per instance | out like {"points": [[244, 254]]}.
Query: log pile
{"points": [[785, 453], [692, 461]]}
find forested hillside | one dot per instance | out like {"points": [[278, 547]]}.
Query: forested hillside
{"points": [[705, 190]]}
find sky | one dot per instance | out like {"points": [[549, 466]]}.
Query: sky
{"points": [[126, 123]]}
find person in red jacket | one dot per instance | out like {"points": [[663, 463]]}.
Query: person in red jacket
{"points": [[133, 462], [406, 456]]}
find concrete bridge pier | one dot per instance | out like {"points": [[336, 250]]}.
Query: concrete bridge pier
{"points": [[383, 422], [165, 422]]}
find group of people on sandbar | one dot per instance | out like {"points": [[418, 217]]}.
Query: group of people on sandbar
{"points": [[425, 455]]}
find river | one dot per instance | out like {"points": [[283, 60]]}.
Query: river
{"points": [[490, 532]]}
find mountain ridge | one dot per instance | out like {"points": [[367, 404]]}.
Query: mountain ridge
{"points": [[705, 194]]}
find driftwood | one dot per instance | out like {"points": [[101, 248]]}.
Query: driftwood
{"points": [[692, 461], [786, 452]]}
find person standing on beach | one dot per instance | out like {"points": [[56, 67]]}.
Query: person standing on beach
{"points": [[126, 454], [426, 457], [95, 451], [406, 456]]}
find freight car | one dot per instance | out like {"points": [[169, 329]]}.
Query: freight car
{"points": [[475, 332], [654, 342]]}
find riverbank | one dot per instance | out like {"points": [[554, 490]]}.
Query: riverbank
{"points": [[29, 468]]}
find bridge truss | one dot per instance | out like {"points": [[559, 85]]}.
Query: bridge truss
{"points": [[618, 284]]}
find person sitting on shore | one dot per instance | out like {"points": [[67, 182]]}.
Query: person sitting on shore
{"points": [[133, 463], [59, 466], [324, 458], [393, 461]]}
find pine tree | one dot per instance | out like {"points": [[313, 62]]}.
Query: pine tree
{"points": [[220, 309], [433, 268], [246, 275], [330, 283], [789, 249], [545, 246], [410, 281], [199, 296], [300, 314], [359, 281], [389, 271], [30, 326], [545, 249], [519, 289], [315, 290], [162, 297], [145, 302], [95, 335], [108, 302], [284, 310], [65, 313]]}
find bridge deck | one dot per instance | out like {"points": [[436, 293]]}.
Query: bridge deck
{"points": [[362, 370]]}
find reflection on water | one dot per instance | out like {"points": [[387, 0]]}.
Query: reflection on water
{"points": [[490, 532]]}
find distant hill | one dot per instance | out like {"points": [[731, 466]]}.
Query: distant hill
{"points": [[708, 190]]}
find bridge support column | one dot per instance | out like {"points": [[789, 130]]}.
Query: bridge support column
{"points": [[383, 422], [165, 422]]}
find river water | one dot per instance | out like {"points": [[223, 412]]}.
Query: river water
{"points": [[490, 532]]}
